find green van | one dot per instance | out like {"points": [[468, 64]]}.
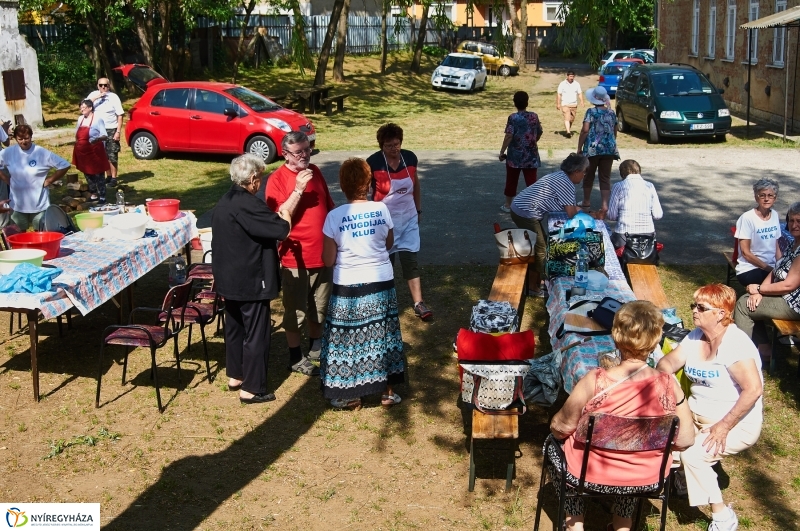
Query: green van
{"points": [[671, 100]]}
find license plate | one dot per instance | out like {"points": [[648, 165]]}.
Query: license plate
{"points": [[695, 127], [312, 137], [613, 88]]}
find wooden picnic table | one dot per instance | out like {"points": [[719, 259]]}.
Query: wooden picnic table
{"points": [[310, 98]]}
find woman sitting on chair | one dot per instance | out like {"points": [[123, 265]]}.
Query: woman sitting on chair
{"points": [[631, 389]]}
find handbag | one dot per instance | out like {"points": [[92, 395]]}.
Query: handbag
{"points": [[562, 251], [605, 312], [493, 317], [516, 246], [639, 249], [578, 320]]}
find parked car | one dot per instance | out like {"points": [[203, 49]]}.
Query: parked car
{"points": [[504, 66], [460, 71], [613, 55], [612, 73], [669, 100], [205, 117], [644, 55]]}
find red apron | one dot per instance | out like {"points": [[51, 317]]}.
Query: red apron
{"points": [[87, 157]]}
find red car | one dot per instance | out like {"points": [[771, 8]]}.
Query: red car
{"points": [[205, 117]]}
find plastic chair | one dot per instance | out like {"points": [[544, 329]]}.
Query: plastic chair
{"points": [[620, 434], [731, 259], [153, 336]]}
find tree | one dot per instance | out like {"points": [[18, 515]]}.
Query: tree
{"points": [[325, 51], [248, 10], [519, 28], [341, 44], [385, 6], [423, 32]]}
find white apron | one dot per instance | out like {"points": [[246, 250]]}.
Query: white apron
{"points": [[400, 202]]}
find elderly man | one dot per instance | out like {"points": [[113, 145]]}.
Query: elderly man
{"points": [[108, 107], [569, 91], [246, 273], [305, 280]]}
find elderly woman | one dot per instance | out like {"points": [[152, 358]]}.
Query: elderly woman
{"points": [[631, 389], [362, 348], [634, 204], [395, 184], [523, 131], [598, 141], [244, 232], [26, 169], [778, 296], [89, 153], [552, 193], [726, 384], [758, 231]]}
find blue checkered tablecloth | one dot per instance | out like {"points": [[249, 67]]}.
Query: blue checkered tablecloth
{"points": [[94, 272]]}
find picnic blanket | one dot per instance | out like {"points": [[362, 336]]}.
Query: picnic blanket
{"points": [[94, 272]]}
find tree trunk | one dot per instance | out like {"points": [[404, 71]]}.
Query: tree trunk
{"points": [[341, 44], [423, 32], [523, 35], [300, 51], [384, 37], [325, 51], [165, 55], [144, 30], [248, 9], [97, 33]]}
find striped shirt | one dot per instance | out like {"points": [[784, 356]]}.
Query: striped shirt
{"points": [[634, 205], [550, 193], [782, 271]]}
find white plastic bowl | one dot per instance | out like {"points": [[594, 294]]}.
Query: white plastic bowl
{"points": [[129, 226], [108, 212], [13, 257]]}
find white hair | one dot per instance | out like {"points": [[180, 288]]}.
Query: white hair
{"points": [[244, 167]]}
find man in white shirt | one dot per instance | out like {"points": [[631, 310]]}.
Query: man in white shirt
{"points": [[569, 91], [108, 106]]}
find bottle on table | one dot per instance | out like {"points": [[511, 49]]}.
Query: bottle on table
{"points": [[180, 270], [581, 271], [121, 200]]}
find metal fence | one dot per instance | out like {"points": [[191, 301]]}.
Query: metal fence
{"points": [[40, 36]]}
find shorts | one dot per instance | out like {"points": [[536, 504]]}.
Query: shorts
{"points": [[304, 289], [539, 247], [112, 146], [408, 262], [569, 112]]}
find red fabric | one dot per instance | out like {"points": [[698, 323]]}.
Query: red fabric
{"points": [[383, 176], [477, 346], [135, 337], [644, 398], [87, 157], [303, 247], [512, 179], [735, 245]]}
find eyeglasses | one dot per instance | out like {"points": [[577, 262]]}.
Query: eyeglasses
{"points": [[766, 196], [300, 152], [394, 146], [101, 85], [702, 308]]}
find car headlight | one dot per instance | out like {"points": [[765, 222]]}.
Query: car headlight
{"points": [[723, 112], [468, 75], [675, 115], [280, 124]]}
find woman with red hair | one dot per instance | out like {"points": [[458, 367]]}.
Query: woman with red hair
{"points": [[724, 368]]}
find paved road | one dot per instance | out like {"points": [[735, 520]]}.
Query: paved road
{"points": [[702, 189]]}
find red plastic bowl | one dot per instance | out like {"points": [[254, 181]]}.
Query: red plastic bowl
{"points": [[163, 209], [49, 242]]}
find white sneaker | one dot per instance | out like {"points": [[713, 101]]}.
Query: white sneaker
{"points": [[505, 209], [730, 524], [315, 351]]}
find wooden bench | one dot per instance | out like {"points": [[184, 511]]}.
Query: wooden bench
{"points": [[783, 329], [509, 285], [330, 100], [647, 285], [730, 274]]}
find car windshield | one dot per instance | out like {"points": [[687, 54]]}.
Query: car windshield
{"points": [[607, 56], [681, 84], [461, 62], [254, 100], [614, 70]]}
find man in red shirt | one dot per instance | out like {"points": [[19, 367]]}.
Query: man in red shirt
{"points": [[305, 280]]}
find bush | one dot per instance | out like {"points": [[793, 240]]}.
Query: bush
{"points": [[65, 67], [434, 51]]}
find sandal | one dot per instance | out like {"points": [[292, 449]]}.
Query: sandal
{"points": [[390, 400], [587, 208], [344, 403]]}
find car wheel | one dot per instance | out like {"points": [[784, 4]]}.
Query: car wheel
{"points": [[483, 87], [721, 137], [263, 147], [504, 71], [472, 88], [144, 146], [622, 125], [653, 128]]}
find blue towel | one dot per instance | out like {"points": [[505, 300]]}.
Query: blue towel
{"points": [[27, 278]]}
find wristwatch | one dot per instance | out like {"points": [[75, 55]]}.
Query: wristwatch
{"points": [[758, 288]]}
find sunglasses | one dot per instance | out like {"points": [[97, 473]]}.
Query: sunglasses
{"points": [[702, 308], [101, 85]]}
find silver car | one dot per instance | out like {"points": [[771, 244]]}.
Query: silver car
{"points": [[460, 71]]}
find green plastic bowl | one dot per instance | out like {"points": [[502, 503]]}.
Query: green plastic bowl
{"points": [[13, 257], [89, 220]]}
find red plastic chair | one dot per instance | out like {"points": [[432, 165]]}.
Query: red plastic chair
{"points": [[155, 336]]}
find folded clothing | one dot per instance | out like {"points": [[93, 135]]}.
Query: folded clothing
{"points": [[27, 278]]}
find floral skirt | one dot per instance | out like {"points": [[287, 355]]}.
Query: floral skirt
{"points": [[362, 347]]}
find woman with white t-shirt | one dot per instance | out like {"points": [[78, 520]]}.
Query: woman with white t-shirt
{"points": [[726, 397], [758, 231], [362, 348]]}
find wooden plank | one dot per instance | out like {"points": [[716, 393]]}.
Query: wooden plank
{"points": [[509, 284], [647, 285], [502, 426], [787, 328]]}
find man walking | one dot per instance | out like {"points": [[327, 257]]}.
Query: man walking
{"points": [[567, 96], [305, 280], [108, 106]]}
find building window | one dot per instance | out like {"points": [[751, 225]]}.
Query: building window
{"points": [[696, 27], [730, 29], [396, 11], [712, 28], [551, 12], [753, 15], [779, 42]]}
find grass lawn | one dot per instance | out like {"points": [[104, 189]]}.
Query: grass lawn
{"points": [[210, 463]]}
